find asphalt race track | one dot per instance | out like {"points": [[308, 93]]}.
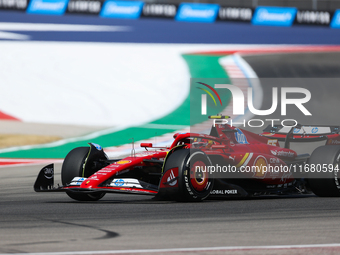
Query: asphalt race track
{"points": [[37, 222], [32, 222], [40, 223]]}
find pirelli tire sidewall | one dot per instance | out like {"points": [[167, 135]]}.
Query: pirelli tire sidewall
{"points": [[325, 184], [188, 191], [73, 167], [73, 164]]}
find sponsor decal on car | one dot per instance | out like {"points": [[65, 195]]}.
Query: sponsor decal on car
{"points": [[97, 146], [281, 153], [306, 130], [274, 161], [224, 192], [118, 182], [145, 153], [48, 173], [173, 178], [260, 164], [333, 141], [126, 183], [122, 162], [94, 178], [273, 142], [245, 159], [315, 130], [170, 178], [240, 137], [77, 181]]}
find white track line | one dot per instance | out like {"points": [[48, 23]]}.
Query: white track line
{"points": [[11, 162], [14, 26], [223, 248], [13, 36]]}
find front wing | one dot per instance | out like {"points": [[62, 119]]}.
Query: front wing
{"points": [[45, 183]]}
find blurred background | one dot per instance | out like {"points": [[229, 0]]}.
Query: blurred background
{"points": [[79, 71], [112, 72]]}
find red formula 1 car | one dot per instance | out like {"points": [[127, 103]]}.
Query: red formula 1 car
{"points": [[227, 163]]}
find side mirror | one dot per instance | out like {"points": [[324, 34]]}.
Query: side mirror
{"points": [[146, 145]]}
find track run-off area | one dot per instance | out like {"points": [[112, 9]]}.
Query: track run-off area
{"points": [[131, 79], [135, 107]]}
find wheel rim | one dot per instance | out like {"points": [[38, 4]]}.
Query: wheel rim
{"points": [[336, 173], [199, 179]]}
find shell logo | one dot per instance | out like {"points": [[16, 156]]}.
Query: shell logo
{"points": [[122, 162], [259, 163]]}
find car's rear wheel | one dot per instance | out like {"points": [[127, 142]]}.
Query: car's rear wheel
{"points": [[74, 166], [323, 175]]}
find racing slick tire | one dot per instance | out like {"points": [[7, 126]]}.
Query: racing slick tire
{"points": [[324, 183], [192, 185], [73, 167]]}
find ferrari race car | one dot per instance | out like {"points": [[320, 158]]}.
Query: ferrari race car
{"points": [[228, 163]]}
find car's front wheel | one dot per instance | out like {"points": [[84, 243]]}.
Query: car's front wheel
{"points": [[74, 166], [194, 181]]}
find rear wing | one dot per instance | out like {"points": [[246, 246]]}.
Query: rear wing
{"points": [[301, 133]]}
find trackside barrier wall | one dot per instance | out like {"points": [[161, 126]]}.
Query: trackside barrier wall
{"points": [[274, 16], [84, 6], [193, 12], [121, 9], [51, 7], [313, 17], [336, 20], [159, 10], [184, 12], [19, 5]]}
